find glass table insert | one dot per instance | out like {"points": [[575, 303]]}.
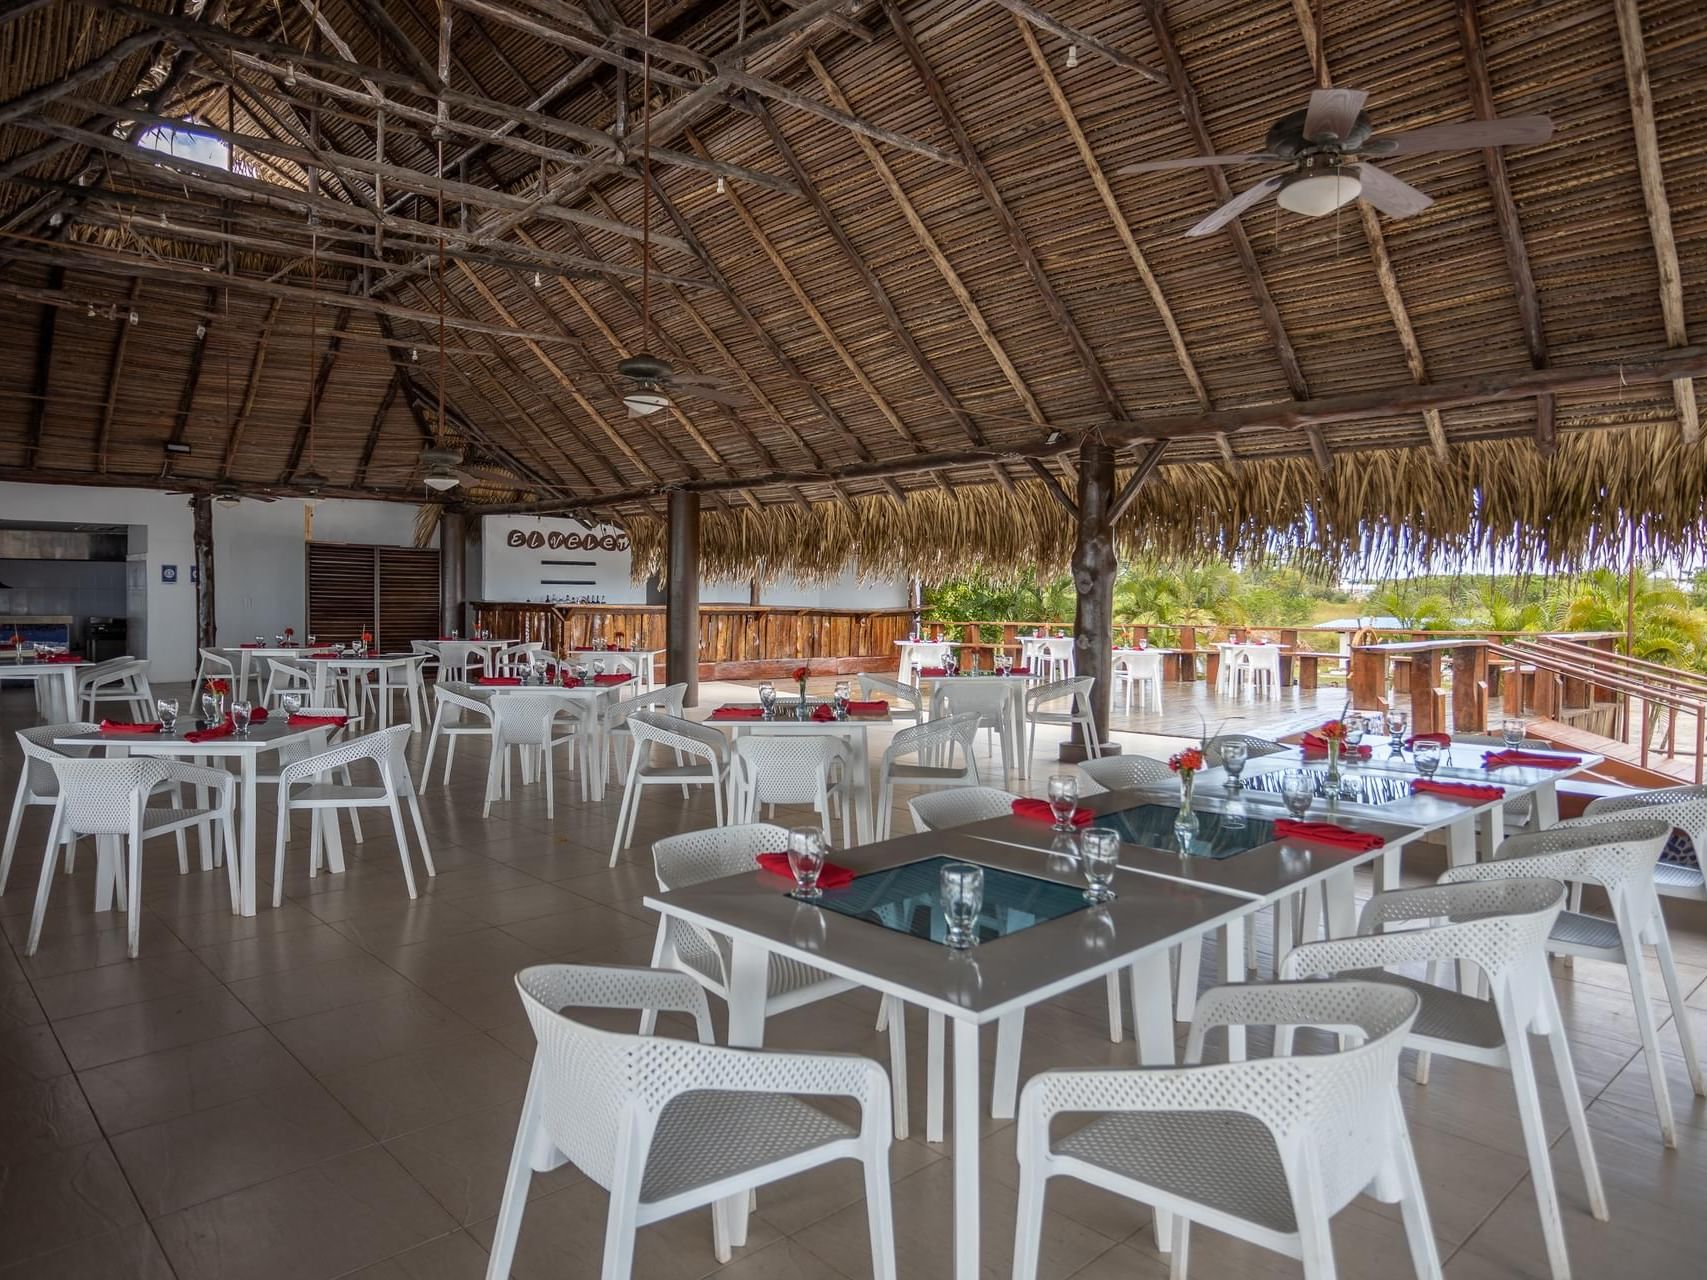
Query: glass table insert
{"points": [[908, 899], [1354, 786], [1219, 835]]}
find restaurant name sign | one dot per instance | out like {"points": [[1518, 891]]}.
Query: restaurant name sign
{"points": [[535, 539]]}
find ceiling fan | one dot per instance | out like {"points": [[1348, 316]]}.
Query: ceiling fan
{"points": [[226, 495], [442, 467], [651, 378], [1326, 149]]}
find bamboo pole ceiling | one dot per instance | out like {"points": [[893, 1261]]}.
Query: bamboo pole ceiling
{"points": [[897, 229]]}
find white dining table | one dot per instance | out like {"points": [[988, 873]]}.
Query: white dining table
{"points": [[55, 684], [454, 655], [600, 696], [855, 731], [355, 669], [639, 661], [246, 750], [1016, 685]]}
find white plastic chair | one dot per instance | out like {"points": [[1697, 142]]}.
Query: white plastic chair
{"points": [[1254, 747], [515, 659], [958, 806], [1124, 773], [120, 680], [698, 856], [1140, 670], [905, 701], [940, 739], [1501, 926], [286, 675], [1619, 856], [1258, 667], [789, 769], [302, 788], [666, 1126], [1054, 660], [108, 799], [37, 782], [215, 664], [529, 721], [1267, 1150], [702, 759], [1076, 693], [990, 703], [1684, 807], [460, 711], [613, 716]]}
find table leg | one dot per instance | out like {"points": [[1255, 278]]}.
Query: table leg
{"points": [[1339, 894], [246, 834], [381, 696], [109, 872], [416, 694], [1547, 805], [68, 711], [749, 969], [1493, 827], [1016, 710], [934, 1035], [967, 1113]]}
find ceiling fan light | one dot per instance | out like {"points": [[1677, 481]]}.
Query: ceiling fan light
{"points": [[226, 498], [440, 478], [1316, 194], [644, 404]]}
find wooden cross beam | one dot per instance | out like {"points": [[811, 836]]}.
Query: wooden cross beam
{"points": [[45, 333]]}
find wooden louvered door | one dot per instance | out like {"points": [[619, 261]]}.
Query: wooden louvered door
{"points": [[392, 591]]}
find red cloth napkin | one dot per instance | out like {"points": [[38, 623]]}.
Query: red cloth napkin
{"points": [[501, 680], [877, 708], [258, 716], [1529, 759], [570, 682], [1444, 739], [929, 672], [316, 722], [1316, 745], [1025, 807], [830, 876], [620, 677], [218, 731], [1326, 833], [1474, 792], [250, 645], [121, 726], [54, 659], [737, 713]]}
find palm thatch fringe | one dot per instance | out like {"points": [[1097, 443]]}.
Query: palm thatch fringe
{"points": [[1572, 509]]}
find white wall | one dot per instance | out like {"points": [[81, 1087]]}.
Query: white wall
{"points": [[258, 557]]}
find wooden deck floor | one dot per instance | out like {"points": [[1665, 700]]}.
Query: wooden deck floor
{"points": [[1193, 710]]}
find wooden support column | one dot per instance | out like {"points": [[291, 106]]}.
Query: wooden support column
{"points": [[1094, 567], [453, 570], [1470, 689], [1428, 705], [1368, 682], [202, 532], [681, 600]]}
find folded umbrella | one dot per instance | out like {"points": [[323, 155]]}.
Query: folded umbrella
{"points": [[830, 875]]}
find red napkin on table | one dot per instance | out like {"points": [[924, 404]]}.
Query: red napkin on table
{"points": [[258, 716], [316, 722], [1474, 792], [570, 682], [929, 672], [218, 731], [250, 645], [620, 677], [1444, 739], [1530, 759], [830, 876], [54, 659], [877, 708], [737, 713], [121, 726], [1316, 745], [322, 656], [1326, 833], [1025, 807], [823, 712], [501, 680]]}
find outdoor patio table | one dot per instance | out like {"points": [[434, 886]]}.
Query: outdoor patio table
{"points": [[269, 735], [1017, 684], [356, 669], [919, 654], [639, 661], [54, 703], [855, 731], [453, 655], [1133, 933]]}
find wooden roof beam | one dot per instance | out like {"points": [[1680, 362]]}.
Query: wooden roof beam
{"points": [[115, 370], [1658, 204], [46, 331], [1141, 473], [1053, 485], [323, 377], [1524, 291], [1035, 17], [251, 388], [192, 380], [372, 441]]}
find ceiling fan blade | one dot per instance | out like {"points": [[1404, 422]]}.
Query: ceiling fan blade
{"points": [[685, 378], [1393, 196], [717, 396], [1192, 162], [1503, 131], [1237, 205], [1333, 113]]}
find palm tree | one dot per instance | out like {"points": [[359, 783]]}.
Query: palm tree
{"points": [[1669, 629]]}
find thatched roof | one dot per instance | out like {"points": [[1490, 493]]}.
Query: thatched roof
{"points": [[911, 275]]}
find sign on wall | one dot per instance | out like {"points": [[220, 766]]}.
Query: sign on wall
{"points": [[533, 558]]}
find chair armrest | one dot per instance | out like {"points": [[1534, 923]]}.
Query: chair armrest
{"points": [[613, 986], [839, 1075], [1132, 1089], [198, 775]]}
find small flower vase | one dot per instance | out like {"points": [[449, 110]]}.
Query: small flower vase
{"points": [[801, 710], [1185, 821], [1334, 747]]}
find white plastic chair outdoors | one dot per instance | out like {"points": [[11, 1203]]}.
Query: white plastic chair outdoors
{"points": [[1123, 773], [1267, 1150], [460, 711], [958, 806], [701, 759], [1517, 811], [698, 856], [1076, 692], [990, 703], [939, 739], [1501, 926], [667, 1126], [37, 782], [789, 769], [1054, 660], [516, 659], [530, 722], [1684, 807], [905, 701], [124, 681], [1619, 856], [317, 741], [1258, 667], [286, 675], [215, 664], [108, 799], [1139, 670], [614, 715], [1254, 747], [301, 788]]}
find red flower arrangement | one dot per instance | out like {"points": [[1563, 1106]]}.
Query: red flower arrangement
{"points": [[218, 688], [1333, 731], [800, 674], [1188, 761], [289, 632]]}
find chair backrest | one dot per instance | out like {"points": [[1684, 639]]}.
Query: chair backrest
{"points": [[120, 671], [989, 702], [1684, 807], [1145, 664], [1058, 691], [465, 697], [1121, 773], [945, 731], [525, 717], [667, 700], [388, 748], [786, 768], [697, 856], [215, 661], [957, 806], [894, 690], [37, 744], [99, 796], [678, 734], [302, 748], [1617, 855], [288, 672], [1254, 747]]}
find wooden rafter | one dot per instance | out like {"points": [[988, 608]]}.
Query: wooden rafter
{"points": [[1033, 16], [1140, 475], [251, 388], [115, 370], [1658, 204], [1527, 297], [45, 333], [372, 441], [192, 378], [322, 378], [1053, 485]]}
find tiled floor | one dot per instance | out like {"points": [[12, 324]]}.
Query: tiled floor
{"points": [[331, 1089]]}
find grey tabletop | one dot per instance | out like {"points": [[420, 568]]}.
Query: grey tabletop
{"points": [[979, 984], [270, 733]]}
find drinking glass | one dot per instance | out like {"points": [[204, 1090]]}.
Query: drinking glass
{"points": [[962, 887], [767, 698], [290, 704], [806, 860], [973, 664], [210, 708], [259, 641], [1233, 758], [841, 695], [1099, 851], [1063, 799], [240, 712], [1396, 722], [1298, 789], [1512, 731], [314, 639], [167, 709], [1426, 757], [1354, 731], [598, 667]]}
